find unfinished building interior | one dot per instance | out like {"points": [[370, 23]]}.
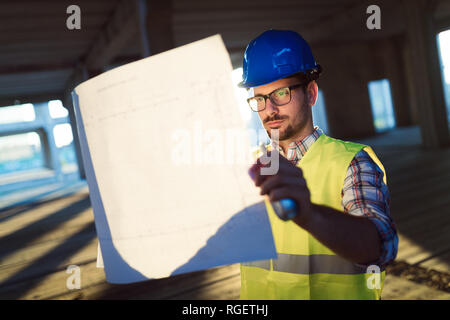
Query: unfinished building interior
{"points": [[388, 87]]}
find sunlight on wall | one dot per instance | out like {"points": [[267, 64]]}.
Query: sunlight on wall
{"points": [[20, 152], [19, 113], [23, 128], [250, 118], [444, 47], [57, 110], [382, 106], [241, 95], [320, 113], [63, 135], [444, 50]]}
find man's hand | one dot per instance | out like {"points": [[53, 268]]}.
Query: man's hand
{"points": [[288, 182], [354, 238]]}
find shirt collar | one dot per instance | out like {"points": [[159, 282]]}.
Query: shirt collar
{"points": [[297, 149]]}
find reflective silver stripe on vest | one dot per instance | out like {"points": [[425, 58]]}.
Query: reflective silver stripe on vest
{"points": [[318, 263], [264, 264]]}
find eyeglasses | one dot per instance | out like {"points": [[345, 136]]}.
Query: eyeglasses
{"points": [[278, 97]]}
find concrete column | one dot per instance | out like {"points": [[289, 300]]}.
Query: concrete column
{"points": [[141, 7], [76, 141], [344, 83], [395, 72], [427, 80], [409, 81], [79, 76], [159, 26], [48, 139]]}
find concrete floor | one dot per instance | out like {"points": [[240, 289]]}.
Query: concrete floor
{"points": [[39, 241]]}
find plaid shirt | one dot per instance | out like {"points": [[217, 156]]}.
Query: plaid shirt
{"points": [[363, 194]]}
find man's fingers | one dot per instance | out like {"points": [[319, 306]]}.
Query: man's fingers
{"points": [[271, 183], [285, 169], [255, 174], [287, 192], [280, 193], [284, 165], [278, 181]]}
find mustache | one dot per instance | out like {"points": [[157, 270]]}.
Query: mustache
{"points": [[275, 118]]}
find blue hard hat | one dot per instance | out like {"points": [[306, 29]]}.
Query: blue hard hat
{"points": [[274, 55]]}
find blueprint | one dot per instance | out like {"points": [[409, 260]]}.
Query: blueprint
{"points": [[166, 159]]}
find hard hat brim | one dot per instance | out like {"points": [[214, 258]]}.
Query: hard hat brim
{"points": [[242, 84]]}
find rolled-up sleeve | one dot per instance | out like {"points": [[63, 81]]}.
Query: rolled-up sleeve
{"points": [[365, 194]]}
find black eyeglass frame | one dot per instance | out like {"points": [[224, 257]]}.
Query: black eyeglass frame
{"points": [[267, 96]]}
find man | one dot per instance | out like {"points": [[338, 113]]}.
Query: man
{"points": [[342, 232]]}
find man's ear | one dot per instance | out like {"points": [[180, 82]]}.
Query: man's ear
{"points": [[312, 92]]}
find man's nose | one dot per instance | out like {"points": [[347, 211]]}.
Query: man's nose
{"points": [[271, 109]]}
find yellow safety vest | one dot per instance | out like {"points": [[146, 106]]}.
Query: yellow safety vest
{"points": [[305, 268]]}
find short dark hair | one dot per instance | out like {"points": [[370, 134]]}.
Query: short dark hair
{"points": [[307, 76]]}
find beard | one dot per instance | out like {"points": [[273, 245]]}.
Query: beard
{"points": [[286, 134], [291, 130]]}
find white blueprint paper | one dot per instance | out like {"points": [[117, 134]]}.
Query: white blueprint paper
{"points": [[161, 207]]}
